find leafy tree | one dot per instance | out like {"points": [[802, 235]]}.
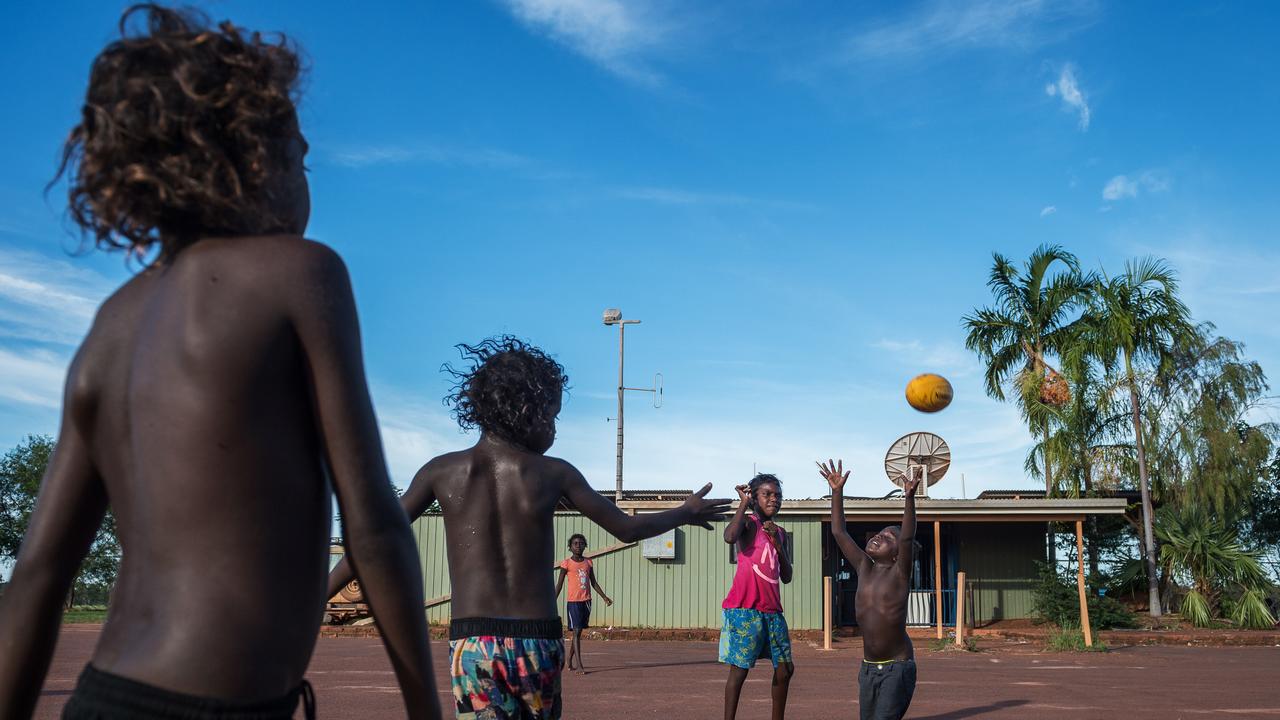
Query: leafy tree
{"points": [[21, 471], [1136, 319], [1205, 452], [1262, 525]]}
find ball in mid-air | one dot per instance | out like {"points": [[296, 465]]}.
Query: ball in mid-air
{"points": [[929, 393]]}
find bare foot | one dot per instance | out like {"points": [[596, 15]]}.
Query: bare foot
{"points": [[582, 671]]}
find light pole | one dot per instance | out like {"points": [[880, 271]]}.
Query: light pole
{"points": [[613, 316]]}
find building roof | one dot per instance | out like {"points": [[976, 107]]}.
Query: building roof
{"points": [[929, 509], [677, 496], [1011, 494]]}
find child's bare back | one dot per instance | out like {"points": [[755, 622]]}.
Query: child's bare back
{"points": [[192, 399], [499, 502]]}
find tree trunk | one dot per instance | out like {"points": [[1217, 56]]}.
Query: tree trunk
{"points": [[1091, 522], [1048, 490], [1044, 453], [1148, 535], [1038, 365]]}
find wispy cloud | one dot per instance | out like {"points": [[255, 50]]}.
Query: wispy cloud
{"points": [[1073, 99], [948, 25], [437, 154], [1122, 187], [47, 299], [611, 33], [414, 430], [32, 377], [675, 196], [1048, 210], [945, 358], [680, 196]]}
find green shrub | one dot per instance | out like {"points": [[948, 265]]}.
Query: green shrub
{"points": [[1195, 608], [1055, 600], [1250, 611]]}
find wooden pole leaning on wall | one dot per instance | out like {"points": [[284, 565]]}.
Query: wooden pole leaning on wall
{"points": [[1084, 604], [826, 612], [960, 609], [937, 573]]}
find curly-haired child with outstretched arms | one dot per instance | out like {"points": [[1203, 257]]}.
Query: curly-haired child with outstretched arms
{"points": [[499, 498], [217, 399]]}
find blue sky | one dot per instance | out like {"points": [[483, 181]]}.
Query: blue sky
{"points": [[800, 201]]}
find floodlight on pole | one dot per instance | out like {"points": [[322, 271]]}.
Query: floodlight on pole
{"points": [[613, 316]]}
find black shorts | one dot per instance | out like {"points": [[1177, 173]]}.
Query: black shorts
{"points": [[103, 696], [885, 689], [579, 614]]}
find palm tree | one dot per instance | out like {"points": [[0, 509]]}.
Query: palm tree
{"points": [[1084, 445], [1030, 319], [1138, 317]]}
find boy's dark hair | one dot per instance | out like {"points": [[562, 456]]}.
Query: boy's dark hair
{"points": [[576, 536], [507, 389], [182, 130], [916, 547]]}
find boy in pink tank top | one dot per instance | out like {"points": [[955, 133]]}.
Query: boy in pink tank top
{"points": [[754, 626]]}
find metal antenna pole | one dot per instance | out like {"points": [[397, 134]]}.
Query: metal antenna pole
{"points": [[613, 316], [622, 327]]}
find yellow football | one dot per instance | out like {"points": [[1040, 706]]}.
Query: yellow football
{"points": [[929, 393]]}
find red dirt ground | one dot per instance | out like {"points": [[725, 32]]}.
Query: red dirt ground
{"points": [[671, 680]]}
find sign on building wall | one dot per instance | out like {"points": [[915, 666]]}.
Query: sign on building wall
{"points": [[662, 547]]}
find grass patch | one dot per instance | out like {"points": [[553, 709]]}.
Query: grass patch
{"points": [[949, 643], [1071, 640], [85, 615]]}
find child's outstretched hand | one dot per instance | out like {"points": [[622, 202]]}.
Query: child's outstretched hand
{"points": [[834, 473], [704, 510], [912, 480]]}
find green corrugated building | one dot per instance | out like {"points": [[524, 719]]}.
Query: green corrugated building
{"points": [[995, 539]]}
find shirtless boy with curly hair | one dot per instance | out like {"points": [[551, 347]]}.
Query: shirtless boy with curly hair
{"points": [[216, 405], [499, 498]]}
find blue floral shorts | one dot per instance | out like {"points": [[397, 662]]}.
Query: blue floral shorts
{"points": [[748, 635]]}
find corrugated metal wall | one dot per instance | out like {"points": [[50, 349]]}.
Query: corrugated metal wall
{"points": [[999, 563], [681, 593]]}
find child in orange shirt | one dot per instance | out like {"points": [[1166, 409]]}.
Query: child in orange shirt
{"points": [[584, 578]]}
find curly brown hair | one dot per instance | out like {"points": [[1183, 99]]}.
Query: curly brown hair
{"points": [[184, 132], [507, 389]]}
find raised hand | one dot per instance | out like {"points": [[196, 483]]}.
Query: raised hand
{"points": [[834, 473], [912, 481], [744, 493], [702, 510]]}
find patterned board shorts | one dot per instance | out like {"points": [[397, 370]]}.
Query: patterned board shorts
{"points": [[750, 634], [506, 678]]}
